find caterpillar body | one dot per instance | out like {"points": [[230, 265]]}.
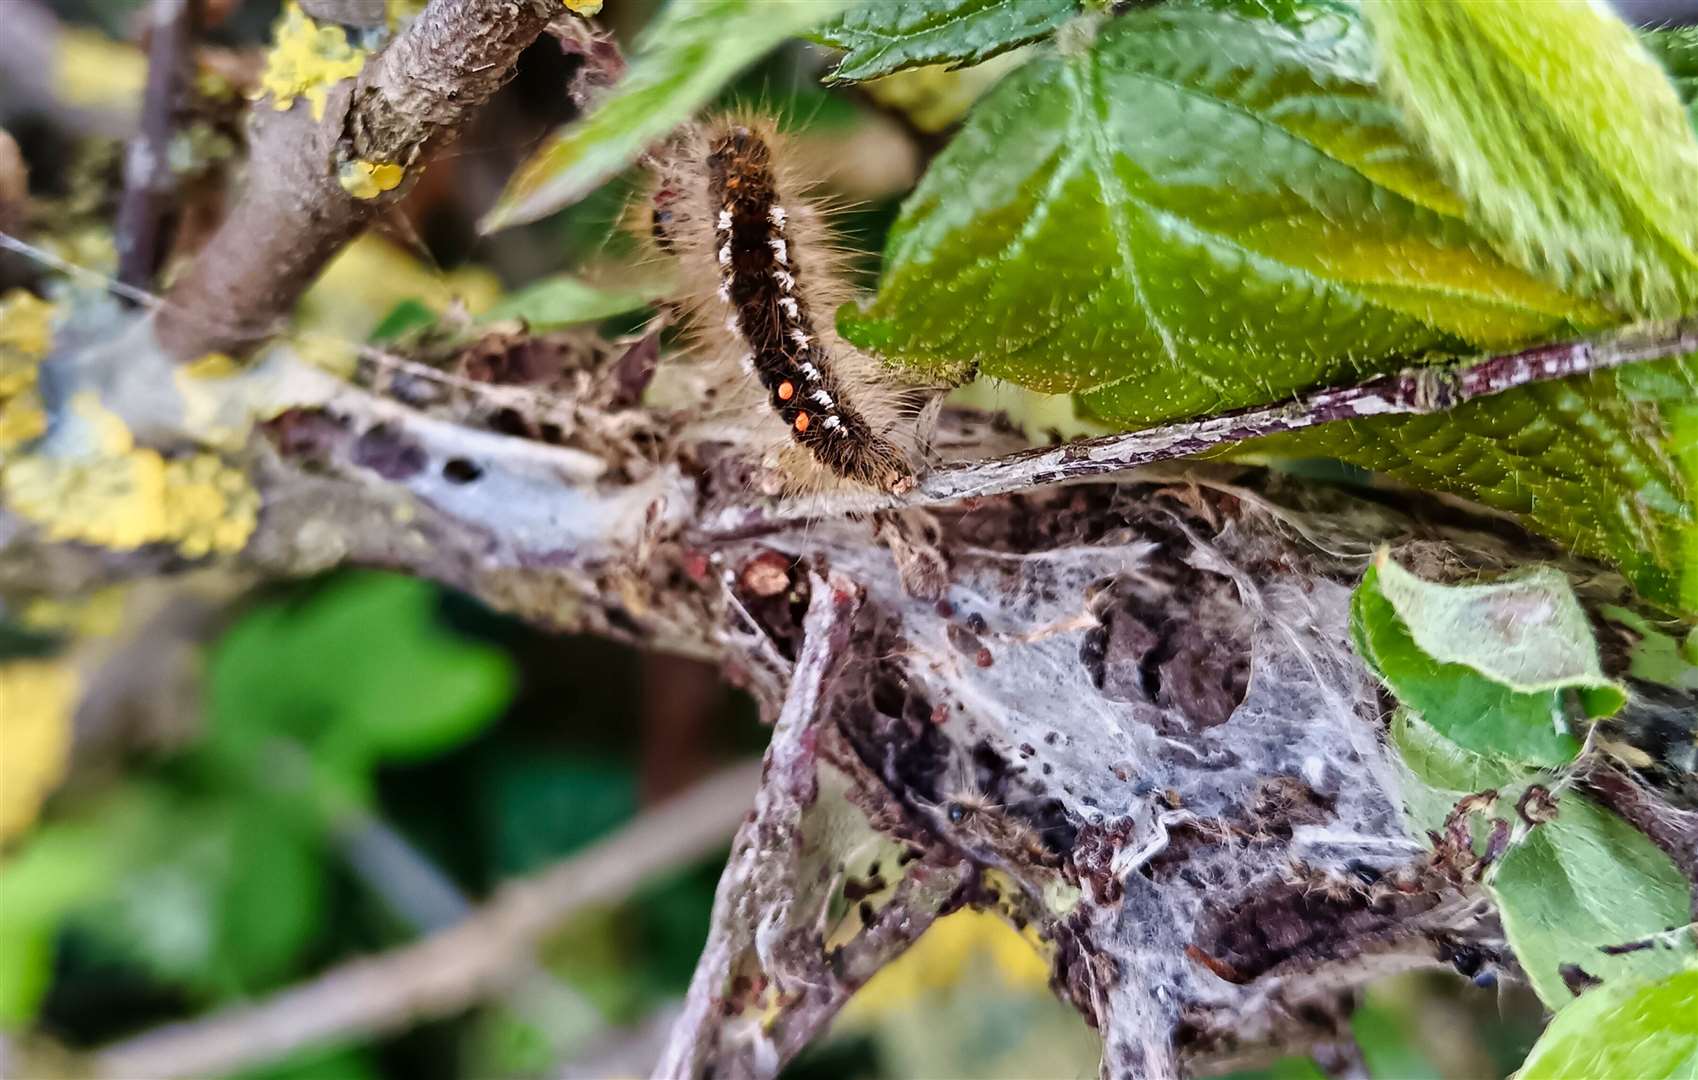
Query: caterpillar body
{"points": [[762, 279]]}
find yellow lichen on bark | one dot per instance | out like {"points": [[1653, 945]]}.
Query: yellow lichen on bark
{"points": [[122, 496], [306, 60], [35, 729], [26, 334], [369, 179]]}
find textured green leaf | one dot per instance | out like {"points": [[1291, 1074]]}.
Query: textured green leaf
{"points": [[685, 57], [1437, 772], [567, 300], [1563, 134], [1581, 883], [1498, 669], [1607, 463], [1677, 51], [1197, 211], [1645, 1029], [879, 37]]}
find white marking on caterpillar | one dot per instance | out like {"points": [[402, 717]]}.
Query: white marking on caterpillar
{"points": [[832, 423], [776, 215], [823, 398], [784, 280], [725, 221], [789, 307], [780, 250], [800, 337], [812, 372], [732, 324], [725, 292], [747, 363], [725, 254]]}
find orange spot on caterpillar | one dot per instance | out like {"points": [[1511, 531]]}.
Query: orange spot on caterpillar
{"points": [[786, 390], [802, 421]]}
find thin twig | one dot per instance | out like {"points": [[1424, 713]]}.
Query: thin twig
{"points": [[760, 873], [453, 969], [1413, 392], [149, 181]]}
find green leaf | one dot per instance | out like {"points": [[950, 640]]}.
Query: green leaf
{"points": [[1571, 886], [406, 316], [1563, 134], [1607, 463], [1656, 657], [685, 57], [1677, 51], [1437, 772], [1498, 669], [59, 866], [1389, 1038], [361, 671], [1584, 882], [879, 37], [567, 300], [1631, 1029], [1204, 211], [1526, 631]]}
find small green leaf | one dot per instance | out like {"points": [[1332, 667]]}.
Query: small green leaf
{"points": [[1572, 886], [1526, 631], [685, 57], [1645, 1029], [879, 37], [567, 300], [1583, 883], [1204, 211], [1390, 1042], [1498, 669], [1607, 463], [1562, 133], [1677, 51], [406, 316], [1657, 656]]}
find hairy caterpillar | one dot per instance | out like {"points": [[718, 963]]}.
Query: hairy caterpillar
{"points": [[761, 281]]}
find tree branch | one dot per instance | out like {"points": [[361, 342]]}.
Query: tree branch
{"points": [[1412, 392], [294, 214], [450, 970], [149, 182]]}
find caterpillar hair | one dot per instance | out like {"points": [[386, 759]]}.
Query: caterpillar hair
{"points": [[761, 281]]}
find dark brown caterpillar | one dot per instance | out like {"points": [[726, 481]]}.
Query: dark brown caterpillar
{"points": [[774, 286]]}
